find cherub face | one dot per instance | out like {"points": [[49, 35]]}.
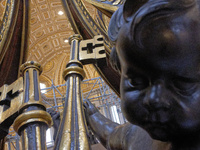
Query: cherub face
{"points": [[161, 92], [159, 53], [163, 101]]}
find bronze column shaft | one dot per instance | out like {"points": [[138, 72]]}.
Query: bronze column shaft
{"points": [[32, 122], [72, 133]]}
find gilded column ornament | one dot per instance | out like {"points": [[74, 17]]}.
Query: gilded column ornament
{"points": [[85, 25], [32, 122], [73, 131], [11, 98]]}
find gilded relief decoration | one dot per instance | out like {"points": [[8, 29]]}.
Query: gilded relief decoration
{"points": [[2, 9], [5, 20]]}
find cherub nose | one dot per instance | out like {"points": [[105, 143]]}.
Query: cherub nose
{"points": [[156, 96]]}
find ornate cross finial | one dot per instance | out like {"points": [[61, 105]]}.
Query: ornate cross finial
{"points": [[11, 99], [92, 51]]}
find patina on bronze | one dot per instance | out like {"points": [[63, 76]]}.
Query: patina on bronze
{"points": [[157, 51]]}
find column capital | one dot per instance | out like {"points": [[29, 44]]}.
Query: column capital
{"points": [[30, 64], [75, 37]]}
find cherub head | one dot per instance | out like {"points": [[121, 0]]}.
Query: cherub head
{"points": [[159, 57]]}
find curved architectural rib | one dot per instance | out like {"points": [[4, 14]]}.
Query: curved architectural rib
{"points": [[82, 23], [13, 39]]}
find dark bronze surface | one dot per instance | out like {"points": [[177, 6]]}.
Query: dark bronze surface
{"points": [[158, 54], [56, 121], [2, 143]]}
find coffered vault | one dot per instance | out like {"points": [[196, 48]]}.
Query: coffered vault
{"points": [[49, 31]]}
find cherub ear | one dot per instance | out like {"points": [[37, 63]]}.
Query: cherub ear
{"points": [[131, 7], [114, 60]]}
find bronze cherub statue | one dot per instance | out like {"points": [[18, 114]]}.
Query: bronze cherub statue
{"points": [[157, 52]]}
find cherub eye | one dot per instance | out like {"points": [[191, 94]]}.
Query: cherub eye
{"points": [[185, 86], [138, 82]]}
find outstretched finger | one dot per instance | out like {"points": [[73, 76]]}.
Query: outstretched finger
{"points": [[85, 104]]}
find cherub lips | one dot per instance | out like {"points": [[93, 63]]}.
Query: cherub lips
{"points": [[157, 125], [158, 117]]}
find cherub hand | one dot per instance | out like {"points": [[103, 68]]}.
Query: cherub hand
{"points": [[56, 121], [55, 117], [53, 113], [90, 109]]}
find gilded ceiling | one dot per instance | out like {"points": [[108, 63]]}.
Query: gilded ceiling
{"points": [[49, 30], [2, 7]]}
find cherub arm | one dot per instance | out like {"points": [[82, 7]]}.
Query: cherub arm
{"points": [[100, 125], [117, 137]]}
